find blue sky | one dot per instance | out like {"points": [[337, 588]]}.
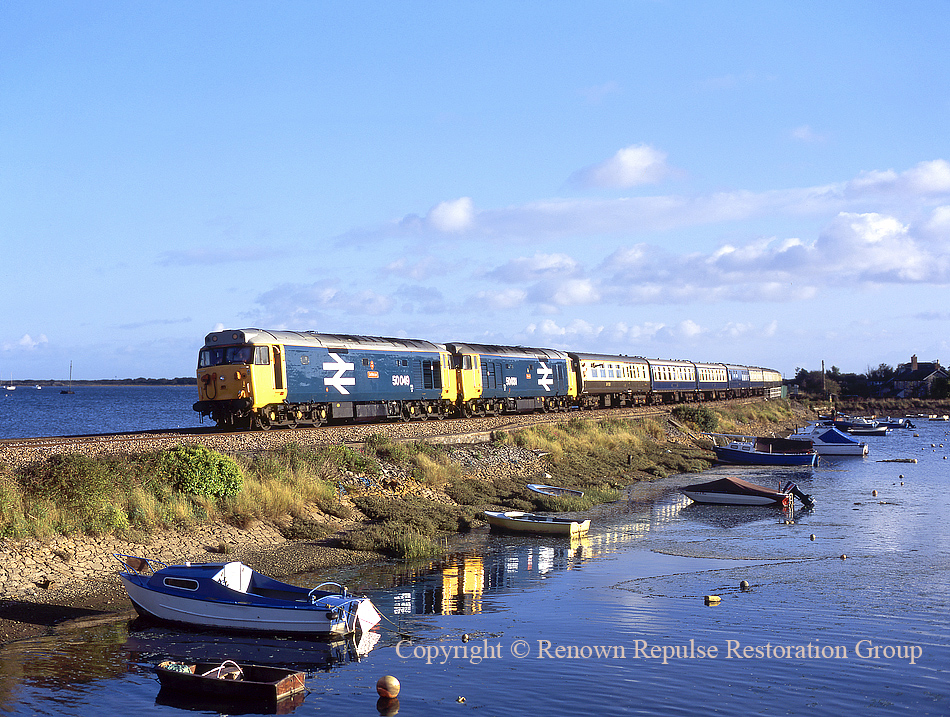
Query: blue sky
{"points": [[761, 183]]}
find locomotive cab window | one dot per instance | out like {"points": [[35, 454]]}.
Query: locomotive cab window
{"points": [[261, 356]]}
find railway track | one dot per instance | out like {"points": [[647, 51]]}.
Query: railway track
{"points": [[20, 451]]}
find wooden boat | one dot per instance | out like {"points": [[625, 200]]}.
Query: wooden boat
{"points": [[765, 451], [829, 441], [735, 491], [516, 521], [232, 596], [553, 490], [257, 684]]}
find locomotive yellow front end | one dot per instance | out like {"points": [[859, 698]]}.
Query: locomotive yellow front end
{"points": [[238, 376]]}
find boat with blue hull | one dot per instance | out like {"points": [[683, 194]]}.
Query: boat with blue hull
{"points": [[764, 451], [829, 441], [232, 596]]}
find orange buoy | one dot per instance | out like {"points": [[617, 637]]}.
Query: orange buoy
{"points": [[388, 686]]}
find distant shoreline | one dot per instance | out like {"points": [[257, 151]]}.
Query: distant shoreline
{"points": [[62, 383]]}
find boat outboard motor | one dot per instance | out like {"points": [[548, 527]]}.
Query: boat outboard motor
{"points": [[806, 499]]}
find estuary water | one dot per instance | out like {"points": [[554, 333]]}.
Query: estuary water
{"points": [[614, 624], [29, 412]]}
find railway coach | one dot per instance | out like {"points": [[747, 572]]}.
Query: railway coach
{"points": [[606, 381], [672, 380], [712, 381], [255, 378]]}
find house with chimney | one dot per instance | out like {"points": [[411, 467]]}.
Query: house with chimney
{"points": [[914, 379]]}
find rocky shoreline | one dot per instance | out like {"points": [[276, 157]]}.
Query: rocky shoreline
{"points": [[45, 585]]}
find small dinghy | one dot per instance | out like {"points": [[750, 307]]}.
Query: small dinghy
{"points": [[553, 490], [250, 686], [232, 596], [735, 491], [515, 521]]}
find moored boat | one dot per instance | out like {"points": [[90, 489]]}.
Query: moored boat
{"points": [[518, 522], [764, 451], [829, 441], [255, 683], [735, 491], [232, 596], [553, 490], [888, 422]]}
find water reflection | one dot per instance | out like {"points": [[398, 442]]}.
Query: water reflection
{"points": [[151, 643], [456, 585]]}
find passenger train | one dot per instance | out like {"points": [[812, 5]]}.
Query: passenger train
{"points": [[252, 378]]}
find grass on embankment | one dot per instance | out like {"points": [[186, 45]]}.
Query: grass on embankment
{"points": [[179, 488]]}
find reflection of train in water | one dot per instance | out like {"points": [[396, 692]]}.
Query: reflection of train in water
{"points": [[256, 378]]}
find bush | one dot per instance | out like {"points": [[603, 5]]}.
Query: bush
{"points": [[703, 417], [196, 470]]}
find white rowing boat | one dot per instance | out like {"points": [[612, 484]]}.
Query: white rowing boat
{"points": [[519, 522], [553, 490]]}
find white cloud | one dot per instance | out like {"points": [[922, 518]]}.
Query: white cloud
{"points": [[420, 270], [917, 189], [25, 343], [293, 304], [806, 134], [551, 330], [504, 299], [630, 166], [452, 216], [535, 267]]}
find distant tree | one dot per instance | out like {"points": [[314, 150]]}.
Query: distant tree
{"points": [[882, 374], [810, 382], [853, 384], [940, 388]]}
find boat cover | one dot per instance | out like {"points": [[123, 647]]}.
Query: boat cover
{"points": [[835, 436], [734, 486]]}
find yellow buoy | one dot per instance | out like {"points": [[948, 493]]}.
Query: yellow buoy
{"points": [[811, 537], [713, 599], [873, 492], [844, 557], [388, 686]]}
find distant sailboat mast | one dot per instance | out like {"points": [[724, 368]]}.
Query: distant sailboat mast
{"points": [[70, 389]]}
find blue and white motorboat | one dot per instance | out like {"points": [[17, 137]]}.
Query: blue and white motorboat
{"points": [[232, 596], [829, 441], [888, 422]]}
